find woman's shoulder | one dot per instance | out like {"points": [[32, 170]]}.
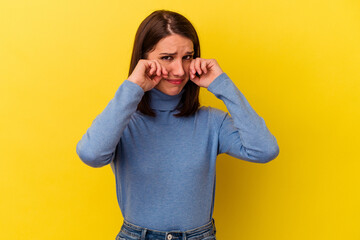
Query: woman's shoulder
{"points": [[212, 110], [214, 113]]}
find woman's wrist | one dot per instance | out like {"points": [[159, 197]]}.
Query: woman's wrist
{"points": [[137, 82]]}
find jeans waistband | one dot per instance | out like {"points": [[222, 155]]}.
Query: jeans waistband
{"points": [[206, 230]]}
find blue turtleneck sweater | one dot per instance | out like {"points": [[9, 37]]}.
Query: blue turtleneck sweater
{"points": [[165, 165]]}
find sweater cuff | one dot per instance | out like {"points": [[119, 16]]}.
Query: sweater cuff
{"points": [[132, 88], [219, 83]]}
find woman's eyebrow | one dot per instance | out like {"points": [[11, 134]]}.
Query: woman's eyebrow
{"points": [[168, 53], [171, 54]]}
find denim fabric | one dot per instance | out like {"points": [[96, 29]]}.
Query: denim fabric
{"points": [[132, 232]]}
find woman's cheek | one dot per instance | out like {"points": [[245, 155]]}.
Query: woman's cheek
{"points": [[187, 68], [165, 65]]}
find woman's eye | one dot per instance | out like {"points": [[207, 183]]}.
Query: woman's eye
{"points": [[188, 57], [170, 58], [166, 58]]}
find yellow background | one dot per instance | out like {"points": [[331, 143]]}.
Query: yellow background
{"points": [[296, 61]]}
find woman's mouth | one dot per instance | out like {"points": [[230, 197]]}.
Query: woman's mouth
{"points": [[175, 81]]}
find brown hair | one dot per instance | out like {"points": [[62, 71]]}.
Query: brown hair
{"points": [[155, 27]]}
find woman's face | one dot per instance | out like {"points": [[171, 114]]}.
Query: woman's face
{"points": [[175, 53]]}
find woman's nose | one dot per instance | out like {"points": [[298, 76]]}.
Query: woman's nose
{"points": [[178, 68]]}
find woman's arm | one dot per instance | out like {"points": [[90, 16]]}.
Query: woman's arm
{"points": [[244, 135], [98, 144]]}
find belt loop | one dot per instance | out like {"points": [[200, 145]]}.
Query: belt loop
{"points": [[213, 223], [143, 234], [184, 236]]}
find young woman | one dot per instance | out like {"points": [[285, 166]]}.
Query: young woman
{"points": [[161, 145]]}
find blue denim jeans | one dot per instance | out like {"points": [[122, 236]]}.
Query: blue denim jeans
{"points": [[132, 232]]}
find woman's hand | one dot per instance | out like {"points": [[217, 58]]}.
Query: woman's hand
{"points": [[147, 74], [207, 70]]}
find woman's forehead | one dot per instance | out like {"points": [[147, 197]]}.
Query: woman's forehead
{"points": [[174, 43]]}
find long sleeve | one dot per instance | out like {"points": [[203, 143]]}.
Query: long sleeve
{"points": [[98, 144], [244, 135]]}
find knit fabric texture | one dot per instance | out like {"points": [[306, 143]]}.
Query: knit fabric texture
{"points": [[164, 166]]}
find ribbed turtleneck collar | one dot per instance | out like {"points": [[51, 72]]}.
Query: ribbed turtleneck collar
{"points": [[162, 101]]}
